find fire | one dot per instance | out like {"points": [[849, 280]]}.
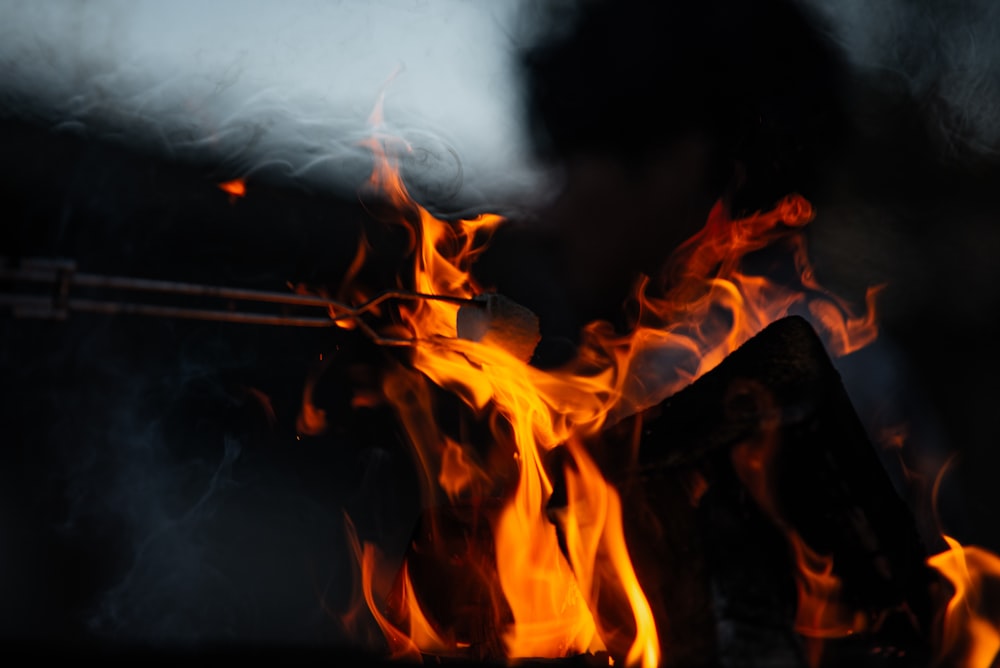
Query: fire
{"points": [[598, 554], [402, 645], [311, 420], [820, 614], [969, 634], [458, 472], [971, 631], [565, 579]]}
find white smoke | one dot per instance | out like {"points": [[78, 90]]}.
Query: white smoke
{"points": [[944, 55], [282, 88]]}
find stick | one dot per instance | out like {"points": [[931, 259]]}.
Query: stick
{"points": [[63, 275]]}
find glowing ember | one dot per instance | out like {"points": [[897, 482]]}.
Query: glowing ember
{"points": [[235, 188]]}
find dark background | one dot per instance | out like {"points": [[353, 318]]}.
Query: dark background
{"points": [[148, 497]]}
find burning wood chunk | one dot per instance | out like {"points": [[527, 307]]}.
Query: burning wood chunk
{"points": [[759, 519], [498, 321], [449, 560], [791, 536]]}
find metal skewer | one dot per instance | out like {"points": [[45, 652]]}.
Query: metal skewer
{"points": [[61, 276]]}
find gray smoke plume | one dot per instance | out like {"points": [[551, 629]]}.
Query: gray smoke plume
{"points": [[944, 56], [185, 522], [284, 90]]}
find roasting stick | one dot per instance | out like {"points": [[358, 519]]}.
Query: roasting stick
{"points": [[62, 276], [41, 307]]}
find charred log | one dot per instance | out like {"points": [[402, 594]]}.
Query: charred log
{"points": [[713, 554], [720, 547]]}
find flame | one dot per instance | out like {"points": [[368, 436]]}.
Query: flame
{"points": [[348, 288], [971, 630], [581, 593], [402, 645], [366, 570], [458, 473], [820, 613], [595, 538], [311, 420], [421, 631]]}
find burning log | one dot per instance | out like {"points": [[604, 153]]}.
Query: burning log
{"points": [[760, 470], [758, 516]]}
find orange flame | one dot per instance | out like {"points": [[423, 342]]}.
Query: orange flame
{"points": [[311, 420], [595, 539], [558, 597], [458, 473], [402, 645], [820, 614], [348, 289], [971, 632]]}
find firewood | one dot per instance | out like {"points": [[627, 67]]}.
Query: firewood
{"points": [[828, 485], [715, 565]]}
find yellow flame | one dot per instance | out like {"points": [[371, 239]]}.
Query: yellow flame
{"points": [[709, 308], [971, 637], [970, 633]]}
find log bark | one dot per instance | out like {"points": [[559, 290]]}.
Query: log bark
{"points": [[716, 559]]}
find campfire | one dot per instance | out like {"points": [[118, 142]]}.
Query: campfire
{"points": [[691, 488], [685, 484], [695, 489]]}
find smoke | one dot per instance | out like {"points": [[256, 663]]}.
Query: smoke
{"points": [[146, 503], [944, 58], [280, 91], [174, 590]]}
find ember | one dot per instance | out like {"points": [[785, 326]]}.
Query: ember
{"points": [[235, 188]]}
